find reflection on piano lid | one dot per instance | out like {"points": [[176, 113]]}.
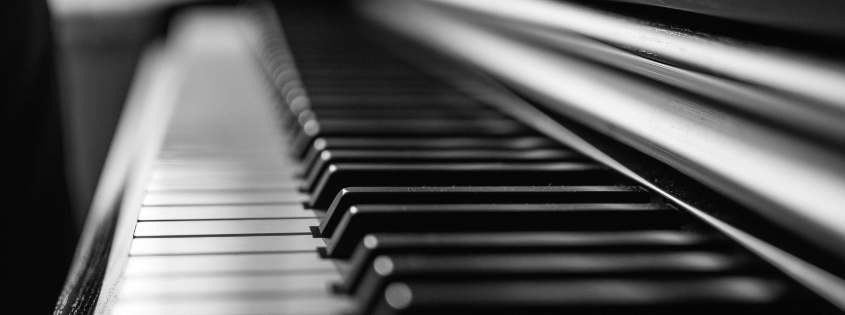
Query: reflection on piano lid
{"points": [[458, 156], [793, 179], [813, 16]]}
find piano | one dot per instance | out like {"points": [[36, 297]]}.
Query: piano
{"points": [[462, 156]]}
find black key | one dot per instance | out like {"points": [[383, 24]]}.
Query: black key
{"points": [[438, 156], [367, 91], [421, 143], [713, 295], [411, 126], [382, 112], [406, 113], [395, 100], [380, 115], [476, 195], [373, 85], [544, 266], [374, 245], [342, 175], [406, 127], [331, 93], [368, 219]]}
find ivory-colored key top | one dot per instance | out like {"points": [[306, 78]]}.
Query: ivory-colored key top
{"points": [[243, 165], [224, 245], [278, 211], [223, 177], [224, 227], [179, 198], [180, 155], [313, 285], [168, 173], [231, 306], [223, 184], [143, 266]]}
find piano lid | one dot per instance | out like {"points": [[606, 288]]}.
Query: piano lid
{"points": [[823, 17], [664, 91]]}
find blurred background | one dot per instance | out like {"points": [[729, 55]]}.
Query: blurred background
{"points": [[66, 68], [98, 44]]}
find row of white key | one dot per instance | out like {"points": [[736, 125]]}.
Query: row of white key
{"points": [[222, 229]]}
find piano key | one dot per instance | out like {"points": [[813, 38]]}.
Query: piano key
{"points": [[361, 220], [190, 167], [307, 285], [181, 156], [476, 195], [355, 92], [371, 89], [168, 170], [395, 100], [717, 295], [342, 175], [189, 197], [373, 245], [407, 127], [224, 227], [236, 306], [223, 183], [328, 157], [223, 245], [214, 137], [404, 113], [546, 266], [383, 87], [335, 74], [428, 143], [365, 91], [175, 213], [430, 127], [157, 266], [295, 118], [224, 175], [319, 86], [424, 143], [200, 168]]}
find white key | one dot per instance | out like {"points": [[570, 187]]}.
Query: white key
{"points": [[313, 285], [181, 198], [223, 184], [280, 172], [218, 155], [239, 166], [294, 210], [224, 227], [141, 266], [224, 176], [314, 306], [224, 245]]}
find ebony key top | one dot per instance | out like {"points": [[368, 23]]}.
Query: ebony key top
{"points": [[405, 113], [710, 295], [342, 175], [367, 219], [425, 144], [476, 195], [461, 268], [406, 127], [328, 157], [374, 245]]}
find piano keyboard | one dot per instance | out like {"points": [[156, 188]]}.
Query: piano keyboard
{"points": [[361, 185]]}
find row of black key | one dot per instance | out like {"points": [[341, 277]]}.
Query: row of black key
{"points": [[435, 203]]}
